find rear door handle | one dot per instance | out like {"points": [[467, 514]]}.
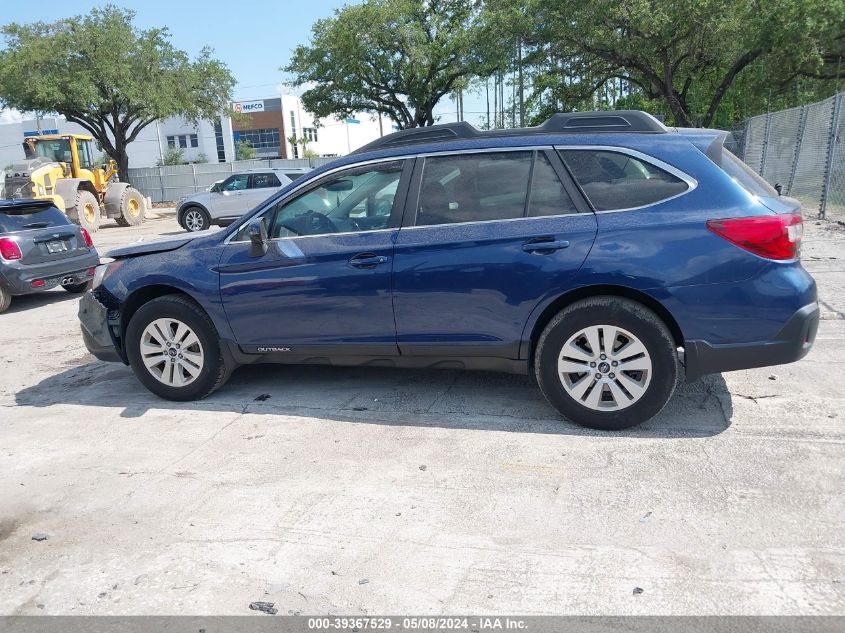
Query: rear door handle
{"points": [[544, 245], [368, 260]]}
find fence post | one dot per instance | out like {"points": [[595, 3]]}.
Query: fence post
{"points": [[161, 180], [831, 150], [765, 144], [194, 174], [802, 125]]}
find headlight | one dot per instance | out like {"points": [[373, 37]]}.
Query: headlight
{"points": [[103, 270]]}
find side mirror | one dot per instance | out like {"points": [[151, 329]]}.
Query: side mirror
{"points": [[259, 243], [779, 188], [340, 185]]}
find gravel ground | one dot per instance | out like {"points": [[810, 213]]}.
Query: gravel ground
{"points": [[330, 490]]}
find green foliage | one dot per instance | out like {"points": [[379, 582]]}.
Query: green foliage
{"points": [[110, 77], [245, 151], [200, 159], [172, 156], [687, 55], [394, 57]]}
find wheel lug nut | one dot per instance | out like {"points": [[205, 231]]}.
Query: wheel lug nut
{"points": [[592, 364], [180, 355], [598, 376], [612, 376], [603, 357], [178, 346], [615, 363]]}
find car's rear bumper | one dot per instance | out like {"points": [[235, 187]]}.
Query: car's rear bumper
{"points": [[18, 279], [96, 331], [792, 343]]}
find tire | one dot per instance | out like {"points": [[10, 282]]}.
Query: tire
{"points": [[133, 209], [5, 299], [642, 342], [77, 288], [205, 360], [87, 210], [195, 218]]}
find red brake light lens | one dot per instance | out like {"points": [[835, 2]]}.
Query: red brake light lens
{"points": [[87, 237], [771, 236], [9, 249]]}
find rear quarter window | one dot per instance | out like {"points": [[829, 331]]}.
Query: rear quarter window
{"points": [[616, 180], [749, 179], [27, 217]]}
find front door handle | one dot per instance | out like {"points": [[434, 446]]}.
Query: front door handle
{"points": [[368, 260], [544, 245]]}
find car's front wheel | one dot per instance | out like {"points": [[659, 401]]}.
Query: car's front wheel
{"points": [[196, 219], [607, 363], [174, 349]]}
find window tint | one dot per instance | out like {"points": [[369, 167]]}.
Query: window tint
{"points": [[260, 181], [613, 180], [473, 187], [548, 197], [355, 200], [750, 180], [22, 217], [238, 182]]}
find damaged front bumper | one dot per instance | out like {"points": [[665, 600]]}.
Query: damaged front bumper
{"points": [[97, 322]]}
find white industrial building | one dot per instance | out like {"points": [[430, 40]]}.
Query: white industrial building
{"points": [[267, 125]]}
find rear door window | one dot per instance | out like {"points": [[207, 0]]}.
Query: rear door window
{"points": [[263, 181], [548, 197], [616, 180], [27, 217], [475, 187]]}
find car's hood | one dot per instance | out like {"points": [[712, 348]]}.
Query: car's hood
{"points": [[142, 247]]}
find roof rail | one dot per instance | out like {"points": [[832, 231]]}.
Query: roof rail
{"points": [[561, 123]]}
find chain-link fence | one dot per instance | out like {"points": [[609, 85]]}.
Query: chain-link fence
{"points": [[801, 149], [169, 183]]}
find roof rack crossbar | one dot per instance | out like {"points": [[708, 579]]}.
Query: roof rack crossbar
{"points": [[619, 121]]}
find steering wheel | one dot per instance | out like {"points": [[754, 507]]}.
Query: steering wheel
{"points": [[313, 223]]}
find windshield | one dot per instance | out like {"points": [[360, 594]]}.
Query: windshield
{"points": [[750, 180], [58, 150]]}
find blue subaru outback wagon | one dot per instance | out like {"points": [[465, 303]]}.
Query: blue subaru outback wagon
{"points": [[606, 254]]}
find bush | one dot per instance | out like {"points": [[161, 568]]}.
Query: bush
{"points": [[245, 151], [173, 156]]}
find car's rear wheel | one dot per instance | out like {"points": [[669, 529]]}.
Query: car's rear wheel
{"points": [[607, 363], [5, 299], [174, 349], [196, 219]]}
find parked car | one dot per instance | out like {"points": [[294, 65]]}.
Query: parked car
{"points": [[604, 253], [227, 200], [40, 248]]}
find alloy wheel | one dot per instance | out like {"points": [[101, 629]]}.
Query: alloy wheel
{"points": [[604, 368], [171, 352]]}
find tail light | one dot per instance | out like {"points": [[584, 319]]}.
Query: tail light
{"points": [[9, 249], [771, 236], [89, 243]]}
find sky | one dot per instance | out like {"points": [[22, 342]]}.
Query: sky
{"points": [[253, 37]]}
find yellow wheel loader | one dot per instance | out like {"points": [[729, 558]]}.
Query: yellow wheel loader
{"points": [[59, 167]]}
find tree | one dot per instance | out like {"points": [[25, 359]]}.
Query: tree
{"points": [[394, 57], [687, 53], [108, 76], [245, 151]]}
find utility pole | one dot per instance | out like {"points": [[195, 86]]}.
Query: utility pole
{"points": [[521, 86]]}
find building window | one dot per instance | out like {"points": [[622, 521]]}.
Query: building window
{"points": [[310, 134], [183, 141], [267, 138], [218, 140]]}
